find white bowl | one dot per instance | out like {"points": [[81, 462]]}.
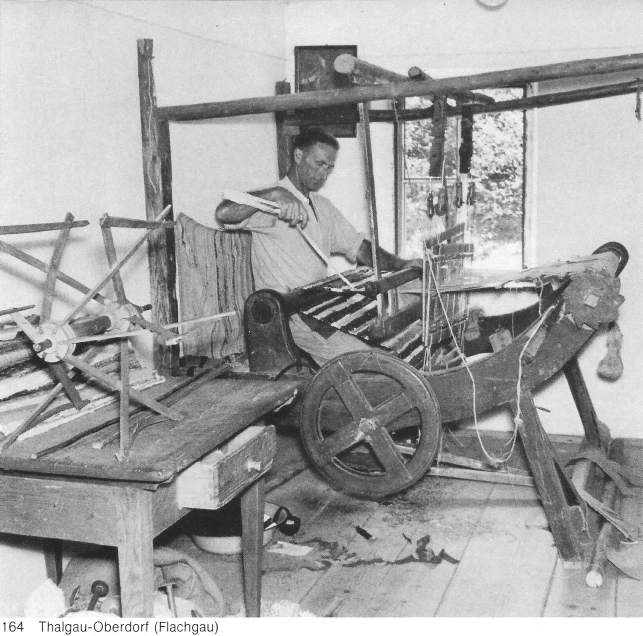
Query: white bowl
{"points": [[232, 544]]}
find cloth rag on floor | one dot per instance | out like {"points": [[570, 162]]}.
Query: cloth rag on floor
{"points": [[193, 582]]}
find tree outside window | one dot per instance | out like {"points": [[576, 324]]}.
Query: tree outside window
{"points": [[496, 216]]}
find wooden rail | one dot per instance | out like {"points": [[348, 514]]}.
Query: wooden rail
{"points": [[365, 73], [334, 97], [413, 114]]}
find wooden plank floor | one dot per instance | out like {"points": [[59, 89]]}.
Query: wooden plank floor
{"points": [[507, 561]]}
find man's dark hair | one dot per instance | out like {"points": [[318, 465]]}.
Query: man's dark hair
{"points": [[311, 136]]}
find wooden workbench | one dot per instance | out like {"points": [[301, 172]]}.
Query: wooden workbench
{"points": [[83, 494]]}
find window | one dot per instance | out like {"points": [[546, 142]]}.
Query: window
{"points": [[491, 196]]}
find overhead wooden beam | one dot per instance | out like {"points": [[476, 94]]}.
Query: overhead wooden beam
{"points": [[157, 179], [362, 70], [334, 97], [366, 73], [414, 114], [415, 73]]}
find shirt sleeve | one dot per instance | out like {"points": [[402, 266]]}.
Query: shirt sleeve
{"points": [[257, 222], [345, 239]]}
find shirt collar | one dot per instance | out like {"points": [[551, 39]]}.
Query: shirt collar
{"points": [[290, 186]]}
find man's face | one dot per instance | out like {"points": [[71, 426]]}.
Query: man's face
{"points": [[314, 165]]}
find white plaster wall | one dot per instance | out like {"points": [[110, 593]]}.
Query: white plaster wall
{"points": [[587, 157], [71, 141]]}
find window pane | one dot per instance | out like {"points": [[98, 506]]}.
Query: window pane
{"points": [[497, 169], [496, 217]]}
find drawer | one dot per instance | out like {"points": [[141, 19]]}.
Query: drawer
{"points": [[225, 472]]}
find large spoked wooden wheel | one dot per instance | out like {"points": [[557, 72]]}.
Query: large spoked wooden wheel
{"points": [[370, 423]]}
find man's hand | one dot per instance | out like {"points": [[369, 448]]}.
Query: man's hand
{"points": [[388, 262], [415, 262], [292, 211]]}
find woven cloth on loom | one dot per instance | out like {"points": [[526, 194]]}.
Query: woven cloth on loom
{"points": [[214, 276]]}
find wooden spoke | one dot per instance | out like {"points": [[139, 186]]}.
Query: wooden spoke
{"points": [[42, 227], [124, 423], [110, 250], [40, 265], [52, 270], [110, 335], [59, 372], [194, 321], [12, 310], [113, 271], [349, 392], [30, 331], [340, 441], [169, 336], [115, 385], [387, 453], [31, 421], [356, 412], [389, 413]]}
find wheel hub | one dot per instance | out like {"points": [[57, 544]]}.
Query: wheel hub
{"points": [[367, 425]]}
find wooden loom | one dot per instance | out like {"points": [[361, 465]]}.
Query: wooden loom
{"points": [[549, 342]]}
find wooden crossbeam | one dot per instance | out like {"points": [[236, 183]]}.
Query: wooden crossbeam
{"points": [[446, 86], [559, 98], [365, 73], [416, 74]]}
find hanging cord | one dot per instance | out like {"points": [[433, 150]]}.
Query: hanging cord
{"points": [[427, 340], [637, 110], [495, 461], [518, 419]]}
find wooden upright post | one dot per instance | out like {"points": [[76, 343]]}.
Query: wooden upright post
{"points": [[560, 499], [584, 404], [284, 139], [157, 179], [365, 130]]}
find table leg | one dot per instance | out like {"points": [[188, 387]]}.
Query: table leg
{"points": [[252, 509], [53, 559], [135, 552]]}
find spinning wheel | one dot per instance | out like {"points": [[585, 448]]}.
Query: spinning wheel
{"points": [[55, 341], [370, 423]]}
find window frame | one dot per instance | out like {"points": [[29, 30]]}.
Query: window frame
{"points": [[527, 233]]}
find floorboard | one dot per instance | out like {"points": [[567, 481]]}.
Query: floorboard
{"points": [[507, 567], [328, 520], [448, 511], [629, 598], [507, 562]]}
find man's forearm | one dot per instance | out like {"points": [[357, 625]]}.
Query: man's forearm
{"points": [[388, 262], [230, 212]]}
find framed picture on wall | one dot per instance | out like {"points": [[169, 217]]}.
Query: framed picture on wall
{"points": [[315, 71]]}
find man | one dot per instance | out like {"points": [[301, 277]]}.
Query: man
{"points": [[282, 259]]}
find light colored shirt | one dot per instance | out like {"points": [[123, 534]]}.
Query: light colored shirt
{"points": [[282, 259]]}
